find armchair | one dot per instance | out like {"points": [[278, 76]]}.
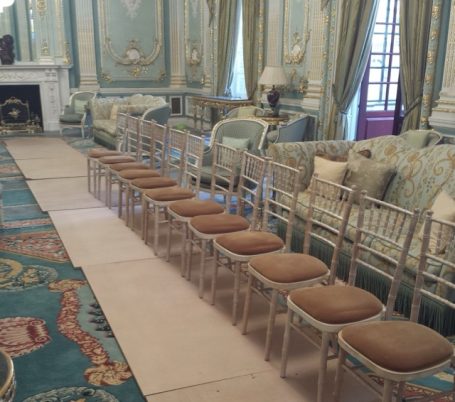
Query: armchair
{"points": [[293, 131], [245, 111], [75, 113]]}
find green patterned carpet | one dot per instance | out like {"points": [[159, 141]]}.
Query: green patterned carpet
{"points": [[50, 323]]}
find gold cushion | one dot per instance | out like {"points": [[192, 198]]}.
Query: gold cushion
{"points": [[169, 194], [337, 304], [219, 224], [191, 208], [251, 243], [99, 152], [154, 182], [131, 174], [401, 346], [116, 159], [289, 267], [128, 165]]}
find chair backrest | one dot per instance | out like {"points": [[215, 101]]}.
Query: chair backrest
{"points": [[79, 100], [247, 134], [121, 124], [159, 140], [158, 113], [175, 154], [193, 157], [224, 174], [438, 249], [132, 136], [146, 130], [250, 188], [281, 192], [327, 217], [245, 111], [294, 131], [383, 235]]}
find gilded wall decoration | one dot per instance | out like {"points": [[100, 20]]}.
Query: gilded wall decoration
{"points": [[132, 6], [132, 49], [194, 33], [296, 35]]}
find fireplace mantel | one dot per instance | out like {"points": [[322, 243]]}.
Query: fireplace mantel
{"points": [[53, 83]]}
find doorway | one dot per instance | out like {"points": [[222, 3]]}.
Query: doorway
{"points": [[380, 84]]}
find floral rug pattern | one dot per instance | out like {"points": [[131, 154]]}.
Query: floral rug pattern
{"points": [[50, 322]]}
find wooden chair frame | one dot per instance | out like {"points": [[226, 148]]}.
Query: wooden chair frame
{"points": [[379, 220]]}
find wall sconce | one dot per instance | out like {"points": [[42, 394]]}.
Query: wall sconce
{"points": [[274, 76]]}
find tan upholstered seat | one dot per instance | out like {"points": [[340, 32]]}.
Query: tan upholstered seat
{"points": [[251, 243], [223, 223], [100, 152], [132, 174], [393, 345], [116, 159], [191, 208], [153, 182], [169, 194], [289, 267], [337, 304], [118, 167]]}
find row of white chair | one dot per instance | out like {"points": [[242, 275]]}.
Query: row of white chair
{"points": [[239, 231]]}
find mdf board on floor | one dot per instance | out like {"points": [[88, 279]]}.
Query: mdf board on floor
{"points": [[39, 148]]}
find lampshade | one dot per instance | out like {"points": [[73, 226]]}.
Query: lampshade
{"points": [[273, 75], [5, 3]]}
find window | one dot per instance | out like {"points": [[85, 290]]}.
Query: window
{"points": [[384, 63], [237, 87]]}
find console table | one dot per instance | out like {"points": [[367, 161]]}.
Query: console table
{"points": [[221, 103]]}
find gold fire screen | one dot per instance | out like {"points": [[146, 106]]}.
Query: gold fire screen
{"points": [[15, 116]]}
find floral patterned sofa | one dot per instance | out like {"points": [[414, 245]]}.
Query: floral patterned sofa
{"points": [[421, 174], [104, 115]]}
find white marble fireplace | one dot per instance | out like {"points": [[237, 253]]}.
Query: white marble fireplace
{"points": [[53, 87]]}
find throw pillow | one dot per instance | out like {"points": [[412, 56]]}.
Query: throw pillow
{"points": [[368, 174], [237, 143], [444, 209], [330, 170], [114, 112], [343, 158]]}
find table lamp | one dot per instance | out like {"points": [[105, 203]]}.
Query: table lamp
{"points": [[273, 75]]}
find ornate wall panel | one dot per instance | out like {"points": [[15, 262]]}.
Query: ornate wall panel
{"points": [[132, 40], [194, 40], [296, 36]]}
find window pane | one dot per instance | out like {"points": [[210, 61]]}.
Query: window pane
{"points": [[377, 44], [394, 73], [377, 75], [379, 60], [396, 60]]}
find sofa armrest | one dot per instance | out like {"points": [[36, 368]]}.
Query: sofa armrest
{"points": [[298, 154]]}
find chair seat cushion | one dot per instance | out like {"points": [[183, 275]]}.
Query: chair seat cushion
{"points": [[289, 267], [118, 167], [153, 182], [337, 304], [191, 208], [131, 174], [169, 194], [99, 152], [219, 224], [116, 159], [400, 346], [251, 243], [72, 118]]}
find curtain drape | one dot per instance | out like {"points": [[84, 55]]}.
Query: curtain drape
{"points": [[250, 43], [228, 14], [357, 25], [415, 19]]}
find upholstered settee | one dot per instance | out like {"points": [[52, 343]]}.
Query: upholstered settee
{"points": [[422, 175], [104, 115]]}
